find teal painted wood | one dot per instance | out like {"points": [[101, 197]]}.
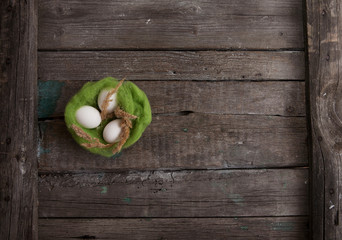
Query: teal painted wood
{"points": [[49, 93]]}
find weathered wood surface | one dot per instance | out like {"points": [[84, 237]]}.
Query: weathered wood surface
{"points": [[325, 71], [165, 24], [266, 228], [212, 110], [172, 65], [259, 98], [281, 192], [18, 119], [195, 141]]}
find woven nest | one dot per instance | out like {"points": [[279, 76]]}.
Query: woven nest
{"points": [[133, 108]]}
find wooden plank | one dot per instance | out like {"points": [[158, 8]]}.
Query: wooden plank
{"points": [[195, 141], [175, 194], [172, 65], [324, 52], [170, 24], [267, 228], [261, 98], [18, 119]]}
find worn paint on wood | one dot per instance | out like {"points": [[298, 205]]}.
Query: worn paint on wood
{"points": [[175, 194], [172, 65], [190, 141], [170, 24], [49, 93], [325, 71], [266, 228], [18, 120]]}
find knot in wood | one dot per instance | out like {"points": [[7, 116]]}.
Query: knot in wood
{"points": [[290, 109], [324, 12], [338, 147]]}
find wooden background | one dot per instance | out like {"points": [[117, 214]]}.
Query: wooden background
{"points": [[226, 153]]}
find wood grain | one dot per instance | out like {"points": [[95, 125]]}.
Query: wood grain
{"points": [[284, 228], [257, 98], [325, 71], [172, 65], [175, 194], [170, 24], [197, 141], [18, 119]]}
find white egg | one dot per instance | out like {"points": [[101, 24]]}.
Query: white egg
{"points": [[88, 117], [111, 132], [112, 100]]}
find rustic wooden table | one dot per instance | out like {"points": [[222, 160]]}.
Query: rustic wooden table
{"points": [[227, 153]]}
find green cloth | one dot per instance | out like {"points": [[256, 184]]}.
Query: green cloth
{"points": [[130, 99]]}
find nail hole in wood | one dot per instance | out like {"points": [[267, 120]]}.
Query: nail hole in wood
{"points": [[290, 109]]}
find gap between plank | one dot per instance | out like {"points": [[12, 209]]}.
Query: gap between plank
{"points": [[173, 49], [212, 217], [122, 171], [184, 113], [193, 80]]}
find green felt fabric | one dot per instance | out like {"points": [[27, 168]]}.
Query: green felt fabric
{"points": [[130, 99]]}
